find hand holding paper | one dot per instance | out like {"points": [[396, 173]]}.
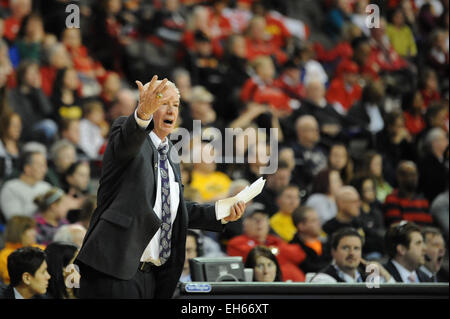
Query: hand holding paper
{"points": [[223, 206]]}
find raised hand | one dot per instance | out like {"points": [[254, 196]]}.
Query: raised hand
{"points": [[236, 212], [151, 97]]}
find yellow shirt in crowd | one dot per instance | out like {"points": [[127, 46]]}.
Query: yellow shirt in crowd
{"points": [[283, 225], [212, 185]]}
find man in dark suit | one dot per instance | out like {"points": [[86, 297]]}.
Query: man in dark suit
{"points": [[27, 270], [406, 250], [434, 255], [135, 244]]}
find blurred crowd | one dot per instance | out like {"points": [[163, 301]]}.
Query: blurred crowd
{"points": [[361, 104]]}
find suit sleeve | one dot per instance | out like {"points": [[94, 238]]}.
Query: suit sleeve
{"points": [[203, 216]]}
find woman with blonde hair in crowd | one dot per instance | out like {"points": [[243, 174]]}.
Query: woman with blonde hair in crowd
{"points": [[20, 232]]}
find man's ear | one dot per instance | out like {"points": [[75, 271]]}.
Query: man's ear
{"points": [[26, 278], [401, 250]]}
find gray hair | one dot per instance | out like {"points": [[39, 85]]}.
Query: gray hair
{"points": [[66, 233], [433, 135], [58, 146]]}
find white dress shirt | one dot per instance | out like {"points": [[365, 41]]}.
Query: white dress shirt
{"points": [[152, 249], [405, 273], [17, 294]]}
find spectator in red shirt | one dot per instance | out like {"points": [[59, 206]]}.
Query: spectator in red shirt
{"points": [[289, 80], [259, 41], [57, 58], [344, 90], [415, 113], [19, 10], [219, 25], [430, 87], [405, 203], [261, 88], [256, 233]]}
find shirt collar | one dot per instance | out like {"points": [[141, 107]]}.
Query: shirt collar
{"points": [[17, 294], [346, 277], [404, 273], [156, 140], [426, 271]]}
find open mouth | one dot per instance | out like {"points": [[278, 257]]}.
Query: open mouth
{"points": [[170, 122]]}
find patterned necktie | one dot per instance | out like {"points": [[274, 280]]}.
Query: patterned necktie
{"points": [[166, 225]]}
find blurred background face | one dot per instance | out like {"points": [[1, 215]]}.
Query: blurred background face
{"points": [[289, 200], [338, 157], [72, 38], [38, 167], [265, 269], [308, 133], [311, 225], [376, 166], [15, 127], [408, 177], [66, 157], [281, 178], [72, 133], [315, 91], [257, 225], [348, 253], [81, 176], [435, 251], [239, 46], [71, 81], [266, 71], [368, 191], [29, 237], [350, 203]]}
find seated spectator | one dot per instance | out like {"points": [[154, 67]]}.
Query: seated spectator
{"points": [[348, 203], [344, 90], [60, 257], [51, 215], [211, 183], [438, 56], [305, 55], [440, 212], [110, 85], [19, 10], [72, 233], [62, 154], [394, 142], [193, 250], [10, 130], [433, 167], [404, 203], [29, 276], [331, 122], [430, 87], [414, 113], [30, 102], [30, 38], [337, 17], [370, 217], [264, 264], [289, 80], [367, 115], [325, 187], [288, 200], [57, 58], [256, 233], [17, 195], [93, 129], [124, 105], [20, 232], [339, 159], [372, 166], [274, 184], [406, 250], [311, 239], [310, 158], [259, 43], [434, 255], [261, 88], [201, 108], [65, 97], [77, 177], [70, 131], [348, 265], [401, 35]]}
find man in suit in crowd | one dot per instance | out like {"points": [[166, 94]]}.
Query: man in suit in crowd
{"points": [[27, 269], [406, 250], [434, 255], [135, 244]]}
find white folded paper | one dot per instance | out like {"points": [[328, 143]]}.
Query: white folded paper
{"points": [[223, 206]]}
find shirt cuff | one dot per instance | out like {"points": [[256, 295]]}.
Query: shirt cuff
{"points": [[142, 123]]}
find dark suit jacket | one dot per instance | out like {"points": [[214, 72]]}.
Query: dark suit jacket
{"points": [[7, 292], [390, 267], [124, 222]]}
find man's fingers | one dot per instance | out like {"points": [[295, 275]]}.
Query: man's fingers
{"points": [[152, 83], [140, 87], [161, 86]]}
